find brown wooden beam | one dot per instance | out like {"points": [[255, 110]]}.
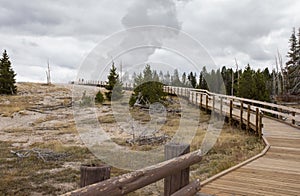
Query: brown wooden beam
{"points": [[127, 183]]}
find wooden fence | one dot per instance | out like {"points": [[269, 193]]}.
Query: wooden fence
{"points": [[175, 171], [248, 113], [216, 102]]}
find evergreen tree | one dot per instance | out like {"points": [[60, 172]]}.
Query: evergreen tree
{"points": [[161, 76], [202, 79], [227, 78], [175, 79], [99, 97], [292, 71], [147, 89], [167, 79], [114, 85], [298, 48], [292, 54], [192, 79], [247, 87], [183, 79], [155, 76], [7, 76]]}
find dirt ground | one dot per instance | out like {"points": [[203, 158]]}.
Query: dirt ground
{"points": [[40, 118]]}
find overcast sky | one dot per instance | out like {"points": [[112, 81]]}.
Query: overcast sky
{"points": [[65, 31]]}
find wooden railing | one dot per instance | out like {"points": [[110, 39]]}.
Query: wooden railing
{"points": [[248, 113], [282, 113], [204, 98], [175, 171], [234, 111]]}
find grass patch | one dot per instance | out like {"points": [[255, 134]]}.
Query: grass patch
{"points": [[108, 118]]}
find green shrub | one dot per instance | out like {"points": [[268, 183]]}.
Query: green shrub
{"points": [[99, 97]]}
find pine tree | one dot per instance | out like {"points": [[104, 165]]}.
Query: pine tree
{"points": [[7, 76], [292, 54], [192, 79], [247, 86], [114, 85], [175, 79], [147, 89], [298, 48], [183, 79], [293, 66], [202, 79]]}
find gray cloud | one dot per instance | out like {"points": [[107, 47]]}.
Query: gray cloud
{"points": [[65, 31]]}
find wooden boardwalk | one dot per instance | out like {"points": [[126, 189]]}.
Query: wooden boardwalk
{"points": [[276, 173]]}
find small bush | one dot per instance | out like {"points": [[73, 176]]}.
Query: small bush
{"points": [[99, 97], [85, 100]]}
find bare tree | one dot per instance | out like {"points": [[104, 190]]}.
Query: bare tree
{"points": [[48, 74]]}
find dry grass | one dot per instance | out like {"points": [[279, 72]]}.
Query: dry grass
{"points": [[34, 176]]}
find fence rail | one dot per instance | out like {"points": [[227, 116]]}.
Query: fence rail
{"points": [[282, 113], [248, 113]]}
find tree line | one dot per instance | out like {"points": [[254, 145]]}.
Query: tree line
{"points": [[260, 84]]}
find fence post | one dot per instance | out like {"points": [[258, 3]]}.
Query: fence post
{"points": [[257, 120], [261, 115], [213, 105], [293, 120], [241, 114], [90, 174], [248, 117], [178, 179], [221, 106], [196, 99], [206, 104], [192, 101], [200, 101], [230, 112]]}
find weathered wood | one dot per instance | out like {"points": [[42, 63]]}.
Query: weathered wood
{"points": [[256, 120], [201, 101], [293, 120], [241, 114], [230, 112], [127, 183], [213, 105], [179, 179], [206, 104], [90, 174], [221, 106], [192, 99], [248, 117], [260, 124], [189, 190]]}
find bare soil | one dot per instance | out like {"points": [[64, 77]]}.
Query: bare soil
{"points": [[41, 117]]}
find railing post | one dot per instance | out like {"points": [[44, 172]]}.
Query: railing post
{"points": [[206, 103], [200, 101], [196, 99], [180, 179], [221, 106], [293, 120], [91, 174], [192, 101], [261, 115], [257, 120], [241, 114], [248, 117], [213, 105], [230, 112]]}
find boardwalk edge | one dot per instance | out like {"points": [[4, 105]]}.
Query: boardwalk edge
{"points": [[263, 152]]}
